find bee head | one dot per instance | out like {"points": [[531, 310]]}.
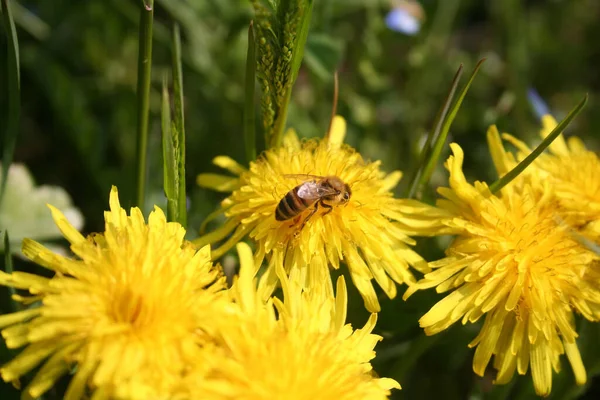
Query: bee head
{"points": [[347, 193]]}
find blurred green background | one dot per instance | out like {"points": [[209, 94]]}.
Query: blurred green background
{"points": [[78, 77]]}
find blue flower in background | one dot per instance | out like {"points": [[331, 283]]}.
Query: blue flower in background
{"points": [[540, 108], [405, 17], [400, 20]]}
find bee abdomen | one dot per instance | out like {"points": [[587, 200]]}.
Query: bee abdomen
{"points": [[290, 206]]}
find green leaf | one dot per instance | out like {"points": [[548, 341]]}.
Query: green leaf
{"points": [[179, 131], [143, 97], [13, 77], [170, 177], [512, 174], [249, 116]]}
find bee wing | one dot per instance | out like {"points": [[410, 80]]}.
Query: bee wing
{"points": [[314, 191], [309, 191]]}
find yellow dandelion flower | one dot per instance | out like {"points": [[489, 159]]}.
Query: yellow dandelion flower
{"points": [[573, 171], [298, 349], [515, 263], [130, 311], [369, 229]]}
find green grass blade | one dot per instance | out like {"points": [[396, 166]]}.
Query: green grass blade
{"points": [[435, 133], [249, 115], [169, 163], [143, 96], [513, 173], [8, 268], [440, 140], [179, 124], [14, 94], [30, 22]]}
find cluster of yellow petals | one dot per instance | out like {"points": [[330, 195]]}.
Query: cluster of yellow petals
{"points": [[516, 262], [131, 311], [142, 313], [370, 233], [572, 170], [139, 313], [297, 349]]}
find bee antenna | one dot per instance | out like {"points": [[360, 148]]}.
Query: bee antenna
{"points": [[335, 102]]}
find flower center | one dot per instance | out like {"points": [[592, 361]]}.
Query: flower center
{"points": [[128, 307]]}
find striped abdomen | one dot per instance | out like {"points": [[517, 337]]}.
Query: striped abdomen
{"points": [[291, 205]]}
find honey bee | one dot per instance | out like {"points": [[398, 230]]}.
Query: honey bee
{"points": [[320, 191]]}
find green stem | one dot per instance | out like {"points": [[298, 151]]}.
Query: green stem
{"points": [[249, 114], [179, 122], [513, 173], [14, 94], [143, 95], [169, 164]]}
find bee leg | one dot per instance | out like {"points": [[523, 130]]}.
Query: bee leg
{"points": [[313, 211], [328, 207], [295, 221]]}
